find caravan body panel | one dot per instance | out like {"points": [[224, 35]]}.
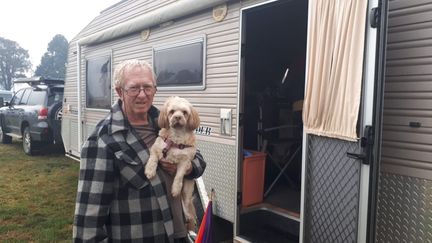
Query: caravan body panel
{"points": [[405, 188], [332, 183], [221, 82]]}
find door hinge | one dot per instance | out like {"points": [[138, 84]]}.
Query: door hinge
{"points": [[366, 143], [239, 198], [375, 17]]}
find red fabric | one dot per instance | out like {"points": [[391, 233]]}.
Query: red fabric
{"points": [[202, 229]]}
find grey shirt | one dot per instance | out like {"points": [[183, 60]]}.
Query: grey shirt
{"points": [[148, 134]]}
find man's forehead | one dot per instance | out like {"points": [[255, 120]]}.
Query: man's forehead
{"points": [[139, 75], [138, 70]]}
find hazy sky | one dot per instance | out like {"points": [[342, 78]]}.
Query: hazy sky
{"points": [[33, 23]]}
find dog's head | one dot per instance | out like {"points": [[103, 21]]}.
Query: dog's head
{"points": [[178, 113]]}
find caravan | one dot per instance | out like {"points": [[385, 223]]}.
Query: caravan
{"points": [[315, 115]]}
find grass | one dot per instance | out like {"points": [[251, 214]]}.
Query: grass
{"points": [[37, 195]]}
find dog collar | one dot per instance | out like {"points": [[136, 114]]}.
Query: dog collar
{"points": [[170, 144]]}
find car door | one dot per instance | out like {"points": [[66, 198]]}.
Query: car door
{"points": [[21, 110], [11, 115]]}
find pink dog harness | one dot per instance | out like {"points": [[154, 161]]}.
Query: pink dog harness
{"points": [[170, 144]]}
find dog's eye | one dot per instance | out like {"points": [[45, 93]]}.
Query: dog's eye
{"points": [[184, 113], [171, 112]]}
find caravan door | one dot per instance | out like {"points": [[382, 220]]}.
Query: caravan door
{"points": [[340, 176]]}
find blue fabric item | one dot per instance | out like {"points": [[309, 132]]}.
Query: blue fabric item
{"points": [[246, 153]]}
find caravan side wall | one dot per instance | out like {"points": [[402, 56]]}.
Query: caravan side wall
{"points": [[405, 189], [221, 78]]}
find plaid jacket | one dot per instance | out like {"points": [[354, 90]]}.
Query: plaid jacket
{"points": [[115, 201]]}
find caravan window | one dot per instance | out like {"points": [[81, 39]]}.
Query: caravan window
{"points": [[98, 88], [180, 64]]}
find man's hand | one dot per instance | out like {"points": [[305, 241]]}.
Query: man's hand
{"points": [[171, 168]]}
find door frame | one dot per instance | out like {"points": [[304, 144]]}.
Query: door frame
{"points": [[240, 103], [372, 107], [378, 108]]}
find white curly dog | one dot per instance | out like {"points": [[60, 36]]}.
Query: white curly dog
{"points": [[176, 143]]}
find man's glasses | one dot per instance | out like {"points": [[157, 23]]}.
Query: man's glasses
{"points": [[134, 91]]}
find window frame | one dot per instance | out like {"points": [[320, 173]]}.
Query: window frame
{"points": [[93, 56], [14, 98], [184, 42], [25, 96]]}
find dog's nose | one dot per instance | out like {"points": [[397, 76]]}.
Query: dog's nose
{"points": [[177, 117]]}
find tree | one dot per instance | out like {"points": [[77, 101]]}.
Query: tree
{"points": [[14, 62], [53, 62]]}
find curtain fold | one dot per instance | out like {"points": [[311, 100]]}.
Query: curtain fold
{"points": [[335, 62]]}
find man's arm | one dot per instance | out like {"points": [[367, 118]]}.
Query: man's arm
{"points": [[94, 194], [198, 166]]}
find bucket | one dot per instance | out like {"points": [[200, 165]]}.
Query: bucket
{"points": [[253, 178]]}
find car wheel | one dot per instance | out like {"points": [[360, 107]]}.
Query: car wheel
{"points": [[55, 113], [5, 139], [28, 144]]}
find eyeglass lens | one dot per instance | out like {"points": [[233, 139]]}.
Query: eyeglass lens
{"points": [[134, 91]]}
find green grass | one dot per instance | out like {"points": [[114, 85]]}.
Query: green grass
{"points": [[37, 195]]}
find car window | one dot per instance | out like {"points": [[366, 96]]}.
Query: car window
{"points": [[55, 96], [25, 97], [37, 97], [6, 95], [17, 97]]}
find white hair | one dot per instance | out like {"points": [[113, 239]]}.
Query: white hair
{"points": [[122, 67]]}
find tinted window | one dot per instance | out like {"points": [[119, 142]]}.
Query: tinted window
{"points": [[37, 97], [98, 93], [56, 95], [17, 97], [6, 95], [180, 65], [25, 97]]}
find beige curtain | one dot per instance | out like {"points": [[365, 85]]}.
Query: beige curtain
{"points": [[335, 61]]}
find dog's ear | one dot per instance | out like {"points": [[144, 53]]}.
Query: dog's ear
{"points": [[163, 116], [194, 120]]}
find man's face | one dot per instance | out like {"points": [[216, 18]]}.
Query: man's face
{"points": [[137, 93]]}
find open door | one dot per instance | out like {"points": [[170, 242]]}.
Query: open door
{"points": [[322, 189], [340, 185], [273, 61]]}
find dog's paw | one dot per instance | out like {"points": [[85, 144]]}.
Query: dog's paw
{"points": [[150, 172], [175, 190], [191, 225], [150, 175]]}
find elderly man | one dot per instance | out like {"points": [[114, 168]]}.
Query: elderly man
{"points": [[115, 201]]}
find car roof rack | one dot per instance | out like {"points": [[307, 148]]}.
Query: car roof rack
{"points": [[39, 80]]}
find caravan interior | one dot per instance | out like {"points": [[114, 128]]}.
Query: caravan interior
{"points": [[273, 80]]}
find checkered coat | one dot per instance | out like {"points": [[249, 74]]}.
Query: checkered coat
{"points": [[115, 201]]}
